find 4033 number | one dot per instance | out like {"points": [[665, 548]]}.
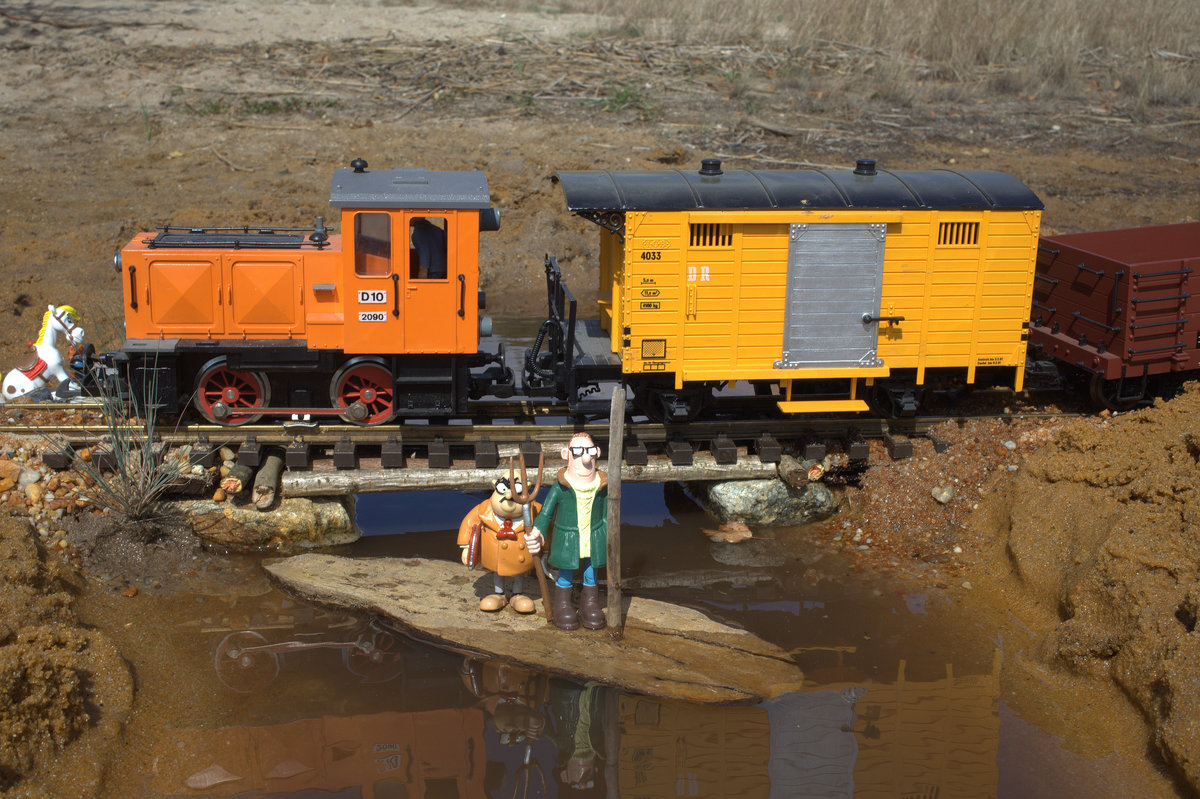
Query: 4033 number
{"points": [[652, 255]]}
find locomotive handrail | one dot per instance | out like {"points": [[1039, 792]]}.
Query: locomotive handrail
{"points": [[462, 295], [1176, 346], [1178, 321], [1101, 325], [395, 295], [1187, 270], [132, 287], [1183, 296]]}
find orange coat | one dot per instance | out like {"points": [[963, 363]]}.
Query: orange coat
{"points": [[506, 558]]}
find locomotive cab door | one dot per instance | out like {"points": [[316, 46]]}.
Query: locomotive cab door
{"points": [[435, 292], [374, 295]]}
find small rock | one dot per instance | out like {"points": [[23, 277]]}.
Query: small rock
{"points": [[957, 549], [1010, 445], [967, 585], [227, 454], [131, 591], [34, 491], [219, 495], [942, 494]]}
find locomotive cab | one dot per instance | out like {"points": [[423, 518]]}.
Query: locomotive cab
{"points": [[379, 321], [410, 272]]}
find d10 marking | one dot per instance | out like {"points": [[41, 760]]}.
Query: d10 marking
{"points": [[372, 296]]}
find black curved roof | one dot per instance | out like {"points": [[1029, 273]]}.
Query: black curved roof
{"points": [[745, 189]]}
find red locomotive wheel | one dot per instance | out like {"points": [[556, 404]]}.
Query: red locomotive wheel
{"points": [[365, 390], [223, 395]]}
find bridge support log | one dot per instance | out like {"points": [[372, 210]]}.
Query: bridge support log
{"points": [[365, 481]]}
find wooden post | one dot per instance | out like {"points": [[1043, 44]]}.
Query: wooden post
{"points": [[616, 451]]}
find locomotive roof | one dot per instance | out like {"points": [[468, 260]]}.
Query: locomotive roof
{"points": [[745, 189], [408, 187]]}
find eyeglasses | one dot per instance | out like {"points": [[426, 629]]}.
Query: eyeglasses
{"points": [[579, 451], [502, 486]]}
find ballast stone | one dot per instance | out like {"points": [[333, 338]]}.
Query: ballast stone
{"points": [[765, 502]]}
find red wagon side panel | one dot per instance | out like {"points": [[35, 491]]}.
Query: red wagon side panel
{"points": [[1120, 303]]}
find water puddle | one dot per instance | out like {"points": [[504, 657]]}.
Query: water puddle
{"points": [[247, 692]]}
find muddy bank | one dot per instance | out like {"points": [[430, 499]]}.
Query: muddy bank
{"points": [[1097, 552], [65, 690]]}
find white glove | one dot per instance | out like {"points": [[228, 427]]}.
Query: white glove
{"points": [[533, 542]]}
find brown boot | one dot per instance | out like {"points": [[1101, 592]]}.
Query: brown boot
{"points": [[589, 608], [565, 617]]}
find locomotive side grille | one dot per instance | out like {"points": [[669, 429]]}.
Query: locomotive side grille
{"points": [[958, 234], [709, 234]]}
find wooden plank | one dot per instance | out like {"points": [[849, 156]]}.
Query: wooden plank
{"points": [[616, 444], [667, 650]]}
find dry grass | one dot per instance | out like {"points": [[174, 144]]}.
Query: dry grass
{"points": [[1147, 52]]}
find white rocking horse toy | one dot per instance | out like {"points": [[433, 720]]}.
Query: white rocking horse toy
{"points": [[44, 360]]}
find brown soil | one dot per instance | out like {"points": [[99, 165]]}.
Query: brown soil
{"points": [[121, 117]]}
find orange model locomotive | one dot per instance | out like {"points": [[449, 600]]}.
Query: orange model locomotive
{"points": [[378, 322]]}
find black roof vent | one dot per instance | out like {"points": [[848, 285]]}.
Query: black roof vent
{"points": [[358, 165], [865, 166], [711, 167]]}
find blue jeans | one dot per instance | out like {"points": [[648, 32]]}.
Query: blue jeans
{"points": [[566, 577]]}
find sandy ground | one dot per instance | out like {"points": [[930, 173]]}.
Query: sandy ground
{"points": [[121, 116]]}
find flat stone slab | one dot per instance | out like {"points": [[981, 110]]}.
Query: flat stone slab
{"points": [[666, 651]]}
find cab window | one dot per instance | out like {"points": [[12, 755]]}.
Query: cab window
{"points": [[372, 244], [427, 248]]}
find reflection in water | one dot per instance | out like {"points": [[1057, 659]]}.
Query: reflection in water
{"points": [[305, 702], [469, 726]]}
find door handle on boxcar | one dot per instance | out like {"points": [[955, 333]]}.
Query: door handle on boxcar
{"points": [[462, 295], [891, 320], [395, 295]]}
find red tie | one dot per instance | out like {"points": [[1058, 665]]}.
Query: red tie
{"points": [[506, 531]]}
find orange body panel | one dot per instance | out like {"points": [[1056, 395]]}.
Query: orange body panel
{"points": [[383, 301]]}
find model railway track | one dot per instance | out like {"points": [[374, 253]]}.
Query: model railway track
{"points": [[487, 444]]}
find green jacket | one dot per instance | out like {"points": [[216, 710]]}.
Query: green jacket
{"points": [[560, 512]]}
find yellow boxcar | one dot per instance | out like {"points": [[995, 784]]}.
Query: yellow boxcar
{"points": [[822, 283]]}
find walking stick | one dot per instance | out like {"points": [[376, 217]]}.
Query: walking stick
{"points": [[525, 498]]}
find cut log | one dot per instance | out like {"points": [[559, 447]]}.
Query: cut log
{"points": [[799, 473], [266, 482], [237, 480]]}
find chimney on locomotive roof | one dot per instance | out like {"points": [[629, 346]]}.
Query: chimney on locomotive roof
{"points": [[711, 167], [865, 166]]}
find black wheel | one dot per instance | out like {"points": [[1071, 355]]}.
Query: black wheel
{"points": [[1107, 394], [670, 405], [243, 663], [895, 401]]}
